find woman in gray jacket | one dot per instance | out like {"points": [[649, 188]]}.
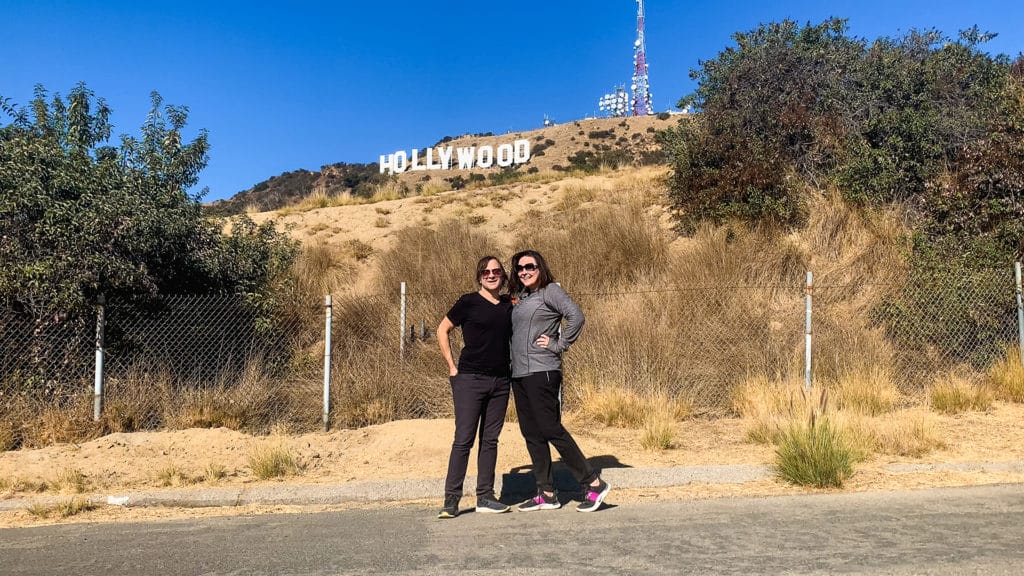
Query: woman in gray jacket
{"points": [[540, 305]]}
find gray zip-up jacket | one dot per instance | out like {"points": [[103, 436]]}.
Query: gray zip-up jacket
{"points": [[541, 312]]}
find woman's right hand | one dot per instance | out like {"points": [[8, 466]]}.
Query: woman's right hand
{"points": [[452, 372]]}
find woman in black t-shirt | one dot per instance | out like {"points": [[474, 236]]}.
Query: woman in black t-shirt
{"points": [[480, 384]]}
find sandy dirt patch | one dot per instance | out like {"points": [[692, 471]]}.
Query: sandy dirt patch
{"points": [[419, 449]]}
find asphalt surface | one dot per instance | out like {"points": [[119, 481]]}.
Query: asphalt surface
{"points": [[943, 531]]}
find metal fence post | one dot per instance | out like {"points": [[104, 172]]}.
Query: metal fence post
{"points": [[401, 326], [97, 392], [807, 333], [1020, 312], [327, 362]]}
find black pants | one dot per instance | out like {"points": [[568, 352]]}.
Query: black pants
{"points": [[480, 405], [539, 408]]}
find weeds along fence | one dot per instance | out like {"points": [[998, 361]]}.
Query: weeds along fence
{"points": [[181, 362]]}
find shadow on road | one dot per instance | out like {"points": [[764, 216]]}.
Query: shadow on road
{"points": [[519, 483]]}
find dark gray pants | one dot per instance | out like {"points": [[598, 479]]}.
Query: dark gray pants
{"points": [[480, 404], [539, 408]]}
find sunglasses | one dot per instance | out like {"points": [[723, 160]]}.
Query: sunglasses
{"points": [[529, 267], [492, 272]]}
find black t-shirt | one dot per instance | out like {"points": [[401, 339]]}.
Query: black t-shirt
{"points": [[486, 330]]}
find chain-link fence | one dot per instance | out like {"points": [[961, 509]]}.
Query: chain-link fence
{"points": [[223, 361]]}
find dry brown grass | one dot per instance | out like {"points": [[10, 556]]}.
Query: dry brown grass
{"points": [[912, 434], [1007, 376], [659, 429], [20, 484], [688, 318], [322, 268], [952, 393], [63, 509], [869, 391], [433, 188], [71, 480], [170, 474], [574, 195], [604, 248], [773, 408], [624, 408], [436, 262], [320, 199], [70, 421], [770, 406], [214, 473], [249, 399], [8, 436], [272, 461]]}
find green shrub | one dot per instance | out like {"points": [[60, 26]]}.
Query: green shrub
{"points": [[814, 455]]}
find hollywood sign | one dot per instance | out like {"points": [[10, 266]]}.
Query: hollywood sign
{"points": [[462, 158]]}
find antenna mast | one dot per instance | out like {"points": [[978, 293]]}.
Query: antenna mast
{"points": [[641, 89]]}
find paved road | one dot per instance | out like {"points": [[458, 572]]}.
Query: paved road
{"points": [[949, 531]]}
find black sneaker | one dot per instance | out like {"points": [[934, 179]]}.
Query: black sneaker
{"points": [[490, 505], [451, 507], [593, 496], [540, 502]]}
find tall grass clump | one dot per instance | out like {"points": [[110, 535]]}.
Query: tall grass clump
{"points": [[171, 474], [69, 421], [869, 391], [814, 453], [659, 430], [599, 248], [1007, 376], [62, 509], [8, 438], [269, 462], [436, 262], [954, 394], [433, 188], [613, 406], [621, 407], [768, 406], [214, 472], [71, 480], [575, 194], [321, 269]]}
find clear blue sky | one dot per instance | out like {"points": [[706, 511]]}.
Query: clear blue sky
{"points": [[288, 85]]}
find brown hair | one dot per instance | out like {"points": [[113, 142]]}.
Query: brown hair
{"points": [[481, 266], [544, 276]]}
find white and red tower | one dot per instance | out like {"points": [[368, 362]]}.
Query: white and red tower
{"points": [[641, 102]]}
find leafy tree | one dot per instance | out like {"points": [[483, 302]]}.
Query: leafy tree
{"points": [[82, 218], [773, 107], [924, 120]]}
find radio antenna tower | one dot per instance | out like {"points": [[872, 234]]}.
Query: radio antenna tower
{"points": [[641, 88]]}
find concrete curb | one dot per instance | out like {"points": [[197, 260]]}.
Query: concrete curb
{"points": [[511, 485]]}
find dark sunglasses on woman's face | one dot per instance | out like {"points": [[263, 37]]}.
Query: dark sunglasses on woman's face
{"points": [[492, 272], [529, 267]]}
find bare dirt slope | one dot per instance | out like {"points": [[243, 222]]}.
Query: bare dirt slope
{"points": [[418, 449]]}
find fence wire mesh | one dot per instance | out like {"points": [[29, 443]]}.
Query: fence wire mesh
{"points": [[223, 361], [46, 371], [186, 361]]}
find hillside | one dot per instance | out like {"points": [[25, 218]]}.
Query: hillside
{"points": [[583, 144]]}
